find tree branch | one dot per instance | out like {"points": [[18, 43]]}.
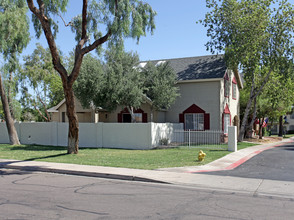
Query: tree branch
{"points": [[84, 19], [96, 43], [258, 91], [65, 24], [40, 113], [45, 108], [49, 37]]}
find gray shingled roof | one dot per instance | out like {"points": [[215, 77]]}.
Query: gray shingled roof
{"points": [[203, 67]]}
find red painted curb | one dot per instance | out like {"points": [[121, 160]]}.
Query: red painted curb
{"points": [[243, 160]]}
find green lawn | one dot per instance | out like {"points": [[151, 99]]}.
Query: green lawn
{"points": [[139, 159], [286, 136]]}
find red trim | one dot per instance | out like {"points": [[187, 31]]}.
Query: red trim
{"points": [[196, 110], [126, 111], [206, 121], [234, 80], [226, 77], [144, 117], [181, 118], [226, 111]]}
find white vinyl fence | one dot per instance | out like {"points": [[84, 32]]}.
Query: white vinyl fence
{"points": [[111, 135], [99, 135], [200, 139]]}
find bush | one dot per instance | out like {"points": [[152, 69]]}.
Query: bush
{"points": [[164, 141]]}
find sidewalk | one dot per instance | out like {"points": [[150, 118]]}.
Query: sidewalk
{"points": [[187, 176]]}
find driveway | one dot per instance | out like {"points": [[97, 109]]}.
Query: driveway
{"points": [[274, 164]]}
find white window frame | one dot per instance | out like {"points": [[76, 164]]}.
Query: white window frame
{"points": [[197, 122], [234, 95], [138, 117], [227, 122], [227, 88]]}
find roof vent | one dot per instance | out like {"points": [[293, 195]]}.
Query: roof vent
{"points": [[142, 65], [160, 62]]}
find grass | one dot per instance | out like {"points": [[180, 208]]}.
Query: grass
{"points": [[139, 159], [284, 136]]}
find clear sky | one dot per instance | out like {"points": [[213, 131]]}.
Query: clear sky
{"points": [[176, 34]]}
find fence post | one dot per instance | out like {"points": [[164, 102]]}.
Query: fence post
{"points": [[232, 139], [189, 135]]}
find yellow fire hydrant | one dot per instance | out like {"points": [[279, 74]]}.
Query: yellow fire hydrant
{"points": [[201, 155]]}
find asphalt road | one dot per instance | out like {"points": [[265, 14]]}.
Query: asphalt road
{"points": [[25, 195], [274, 164]]}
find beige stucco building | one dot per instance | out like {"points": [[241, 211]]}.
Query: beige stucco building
{"points": [[58, 113], [209, 98]]}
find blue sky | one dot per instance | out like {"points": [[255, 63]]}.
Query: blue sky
{"points": [[176, 34]]}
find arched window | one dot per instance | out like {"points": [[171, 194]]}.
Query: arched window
{"points": [[226, 119], [227, 85]]}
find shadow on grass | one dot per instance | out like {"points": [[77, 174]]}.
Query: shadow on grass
{"points": [[46, 157], [38, 148]]}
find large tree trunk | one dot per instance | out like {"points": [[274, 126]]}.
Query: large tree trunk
{"points": [[9, 97], [250, 126], [254, 92], [261, 128], [281, 126], [244, 120], [13, 137], [73, 130], [68, 80]]}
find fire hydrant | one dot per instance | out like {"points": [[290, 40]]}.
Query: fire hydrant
{"points": [[201, 155]]}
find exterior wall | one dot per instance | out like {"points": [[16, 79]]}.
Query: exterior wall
{"points": [[55, 117], [159, 117], [203, 94], [84, 115], [112, 116], [233, 104]]}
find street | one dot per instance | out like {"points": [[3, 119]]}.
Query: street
{"points": [[273, 164], [29, 195]]}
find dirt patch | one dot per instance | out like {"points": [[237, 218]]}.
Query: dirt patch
{"points": [[264, 140]]}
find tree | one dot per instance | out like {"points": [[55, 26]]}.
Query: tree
{"points": [[160, 85], [1, 112], [119, 19], [125, 83], [10, 82], [14, 36], [256, 37], [277, 98], [116, 83], [40, 75], [122, 83]]}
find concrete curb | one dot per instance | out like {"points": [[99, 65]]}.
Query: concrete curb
{"points": [[47, 167], [165, 176]]}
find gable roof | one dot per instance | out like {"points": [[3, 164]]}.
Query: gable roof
{"points": [[194, 68], [55, 108]]}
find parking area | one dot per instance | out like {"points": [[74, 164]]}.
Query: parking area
{"points": [[274, 164]]}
